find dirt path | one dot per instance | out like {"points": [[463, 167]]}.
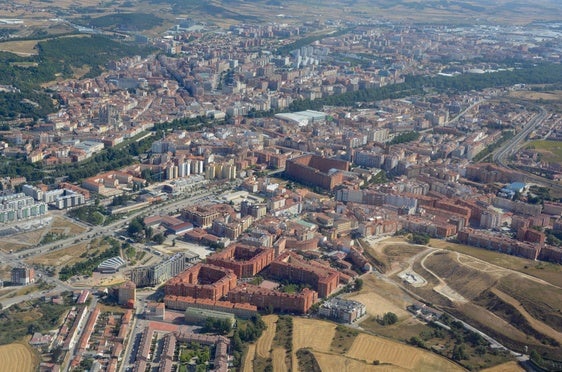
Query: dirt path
{"points": [[442, 288], [410, 262], [535, 323], [499, 269]]}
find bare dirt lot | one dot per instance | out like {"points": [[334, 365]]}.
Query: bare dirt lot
{"points": [[56, 225], [380, 297]]}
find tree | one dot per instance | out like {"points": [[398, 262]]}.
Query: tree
{"points": [[388, 318], [535, 357], [358, 284], [422, 239], [416, 341], [459, 353], [136, 228], [158, 238]]}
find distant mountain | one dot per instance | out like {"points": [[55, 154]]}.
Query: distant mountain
{"points": [[496, 11]]}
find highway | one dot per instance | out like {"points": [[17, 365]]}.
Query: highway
{"points": [[514, 143], [501, 156]]}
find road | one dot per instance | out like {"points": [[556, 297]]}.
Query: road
{"points": [[510, 147], [15, 259], [110, 229], [514, 143]]}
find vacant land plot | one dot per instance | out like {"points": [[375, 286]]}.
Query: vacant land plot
{"points": [[17, 357], [535, 96], [61, 257], [23, 240], [263, 346], [380, 297], [402, 331], [551, 150], [66, 226], [22, 47], [370, 348], [315, 334], [278, 359], [248, 361], [551, 273], [343, 339], [536, 324], [543, 302], [340, 363]]}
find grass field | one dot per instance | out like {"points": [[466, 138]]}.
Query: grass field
{"points": [[248, 360], [506, 367], [17, 357], [549, 272], [551, 151], [278, 356], [380, 297], [535, 96], [358, 353], [22, 47], [340, 363], [61, 257], [370, 348], [315, 334], [263, 345], [402, 331], [342, 340]]}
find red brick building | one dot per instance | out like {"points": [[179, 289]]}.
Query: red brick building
{"points": [[315, 170], [263, 298], [495, 242], [294, 268], [244, 260], [202, 281]]}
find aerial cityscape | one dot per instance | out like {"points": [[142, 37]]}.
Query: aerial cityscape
{"points": [[274, 185]]}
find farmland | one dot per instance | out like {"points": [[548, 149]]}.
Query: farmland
{"points": [[337, 348], [17, 357]]}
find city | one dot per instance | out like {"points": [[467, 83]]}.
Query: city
{"points": [[217, 191]]}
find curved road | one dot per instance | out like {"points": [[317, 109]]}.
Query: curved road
{"points": [[511, 146]]}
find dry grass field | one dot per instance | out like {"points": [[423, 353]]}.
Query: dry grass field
{"points": [[250, 355], [315, 334], [370, 348], [66, 226], [23, 240], [380, 297], [340, 363], [516, 308], [22, 47], [318, 335], [58, 225], [488, 261], [60, 257], [278, 359], [535, 96], [17, 357], [263, 345], [506, 367], [536, 324]]}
